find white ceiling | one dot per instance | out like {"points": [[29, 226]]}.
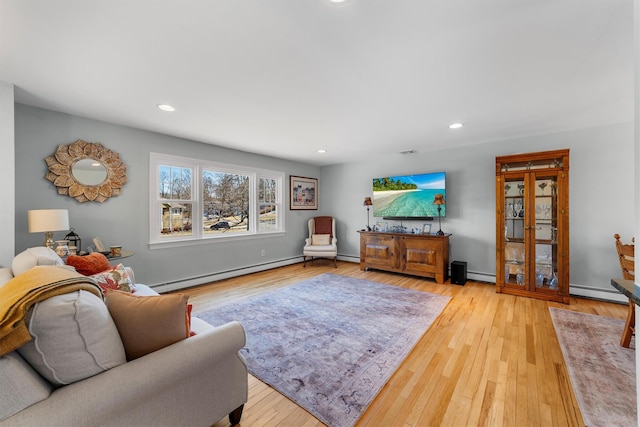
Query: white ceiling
{"points": [[289, 77]]}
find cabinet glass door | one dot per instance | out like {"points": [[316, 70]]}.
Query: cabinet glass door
{"points": [[514, 232], [532, 225], [546, 232]]}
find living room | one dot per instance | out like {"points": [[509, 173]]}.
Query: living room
{"points": [[597, 165], [601, 160], [603, 181]]}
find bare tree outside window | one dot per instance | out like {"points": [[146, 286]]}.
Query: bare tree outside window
{"points": [[226, 195]]}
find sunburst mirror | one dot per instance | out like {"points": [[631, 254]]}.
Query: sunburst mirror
{"points": [[86, 171]]}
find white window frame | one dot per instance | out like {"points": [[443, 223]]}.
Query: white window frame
{"points": [[156, 240]]}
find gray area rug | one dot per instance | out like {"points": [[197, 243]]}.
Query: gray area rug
{"points": [[603, 373], [330, 343]]}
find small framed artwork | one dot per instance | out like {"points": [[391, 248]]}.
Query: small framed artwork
{"points": [[304, 193], [426, 229], [99, 245]]}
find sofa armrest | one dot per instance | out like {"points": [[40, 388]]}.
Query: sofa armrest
{"points": [[196, 381]]}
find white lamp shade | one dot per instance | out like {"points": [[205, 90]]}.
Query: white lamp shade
{"points": [[43, 220]]}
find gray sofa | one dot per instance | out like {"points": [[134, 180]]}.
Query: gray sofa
{"points": [[194, 382]]}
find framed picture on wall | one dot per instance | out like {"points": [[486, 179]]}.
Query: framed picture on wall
{"points": [[304, 193]]}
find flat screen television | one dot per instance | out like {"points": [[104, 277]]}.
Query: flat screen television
{"points": [[409, 196]]}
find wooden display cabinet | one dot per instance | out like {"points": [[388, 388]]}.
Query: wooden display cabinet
{"points": [[425, 255], [532, 225]]}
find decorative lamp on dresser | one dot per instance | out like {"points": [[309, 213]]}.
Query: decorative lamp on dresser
{"points": [[532, 225]]}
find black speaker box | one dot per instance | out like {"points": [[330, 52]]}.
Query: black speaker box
{"points": [[459, 272]]}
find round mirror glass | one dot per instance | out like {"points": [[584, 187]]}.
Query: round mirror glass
{"points": [[89, 172]]}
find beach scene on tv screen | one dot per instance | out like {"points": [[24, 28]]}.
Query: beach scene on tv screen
{"points": [[408, 195]]}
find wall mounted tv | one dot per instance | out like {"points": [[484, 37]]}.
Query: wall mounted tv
{"points": [[409, 196]]}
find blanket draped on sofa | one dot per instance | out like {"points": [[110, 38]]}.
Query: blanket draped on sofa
{"points": [[28, 288]]}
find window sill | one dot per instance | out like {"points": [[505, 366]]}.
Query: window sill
{"points": [[211, 240]]}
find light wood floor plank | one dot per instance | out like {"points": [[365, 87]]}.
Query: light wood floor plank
{"points": [[488, 360]]}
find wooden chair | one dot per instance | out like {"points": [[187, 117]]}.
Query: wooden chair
{"points": [[322, 241], [626, 258]]}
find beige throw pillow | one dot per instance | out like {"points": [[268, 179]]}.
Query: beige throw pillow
{"points": [[73, 338], [148, 323], [320, 239]]}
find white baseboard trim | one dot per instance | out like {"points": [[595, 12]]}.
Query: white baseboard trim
{"points": [[610, 295], [221, 275]]}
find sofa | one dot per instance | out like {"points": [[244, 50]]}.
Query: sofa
{"points": [[195, 381]]}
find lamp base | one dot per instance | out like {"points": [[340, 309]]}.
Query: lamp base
{"points": [[440, 233], [48, 239]]}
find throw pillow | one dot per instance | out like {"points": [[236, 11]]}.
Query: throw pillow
{"points": [[116, 278], [320, 239], [5, 275], [149, 323], [90, 264], [73, 338], [32, 257]]}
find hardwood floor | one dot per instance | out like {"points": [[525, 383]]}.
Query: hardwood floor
{"points": [[489, 359]]}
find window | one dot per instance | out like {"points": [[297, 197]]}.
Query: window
{"points": [[193, 199]]}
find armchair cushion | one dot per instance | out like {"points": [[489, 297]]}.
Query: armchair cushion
{"points": [[148, 323], [324, 225], [320, 239], [73, 338]]}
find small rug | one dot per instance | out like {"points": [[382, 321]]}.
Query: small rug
{"points": [[330, 343], [603, 373]]}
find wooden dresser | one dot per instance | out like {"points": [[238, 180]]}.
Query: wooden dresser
{"points": [[425, 255]]}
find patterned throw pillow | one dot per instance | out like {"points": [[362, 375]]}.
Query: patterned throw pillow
{"points": [[116, 279]]}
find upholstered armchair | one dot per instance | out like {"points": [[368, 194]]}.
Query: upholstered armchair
{"points": [[322, 241]]}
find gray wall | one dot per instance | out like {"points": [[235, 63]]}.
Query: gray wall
{"points": [[123, 220], [601, 199], [7, 168]]}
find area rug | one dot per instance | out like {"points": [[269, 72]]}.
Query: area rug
{"points": [[602, 373], [330, 343]]}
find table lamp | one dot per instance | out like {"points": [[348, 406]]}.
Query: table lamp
{"points": [[47, 221], [439, 201], [367, 203]]}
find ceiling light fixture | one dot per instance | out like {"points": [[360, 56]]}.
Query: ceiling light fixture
{"points": [[321, 151], [455, 126], [166, 107]]}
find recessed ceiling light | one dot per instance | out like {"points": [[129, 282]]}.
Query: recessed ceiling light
{"points": [[337, 1], [321, 151], [166, 107], [455, 126]]}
